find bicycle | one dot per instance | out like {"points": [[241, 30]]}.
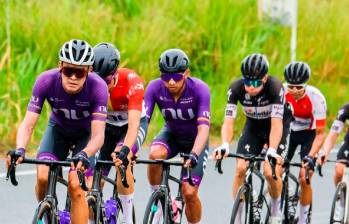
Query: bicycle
{"points": [[109, 212], [341, 192], [290, 198], [162, 195], [48, 207], [254, 204]]}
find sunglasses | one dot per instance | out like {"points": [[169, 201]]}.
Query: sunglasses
{"points": [[69, 72], [298, 87], [254, 83], [109, 78], [166, 77]]}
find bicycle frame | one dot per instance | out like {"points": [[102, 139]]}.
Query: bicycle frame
{"points": [[345, 180]]}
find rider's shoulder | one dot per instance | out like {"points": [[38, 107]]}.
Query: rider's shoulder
{"points": [[48, 76], [314, 92], [126, 73], [236, 83], [197, 83]]}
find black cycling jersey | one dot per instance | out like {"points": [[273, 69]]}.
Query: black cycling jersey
{"points": [[338, 124], [259, 109]]}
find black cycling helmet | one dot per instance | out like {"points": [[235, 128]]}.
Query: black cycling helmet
{"points": [[254, 66], [107, 59], [297, 72], [173, 61], [76, 52]]}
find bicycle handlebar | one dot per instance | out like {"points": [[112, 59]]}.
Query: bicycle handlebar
{"points": [[11, 172], [250, 158], [122, 171]]}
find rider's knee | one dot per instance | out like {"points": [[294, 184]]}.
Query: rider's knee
{"points": [[339, 171], [42, 179], [74, 189], [240, 171], [157, 152], [189, 194], [303, 182]]}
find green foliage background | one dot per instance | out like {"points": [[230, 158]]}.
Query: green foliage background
{"points": [[215, 34]]}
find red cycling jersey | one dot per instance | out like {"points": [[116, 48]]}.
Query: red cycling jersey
{"points": [[309, 111], [127, 95]]}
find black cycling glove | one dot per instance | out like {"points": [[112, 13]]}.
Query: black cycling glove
{"points": [[83, 158]]}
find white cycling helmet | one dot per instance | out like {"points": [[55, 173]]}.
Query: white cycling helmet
{"points": [[76, 52]]}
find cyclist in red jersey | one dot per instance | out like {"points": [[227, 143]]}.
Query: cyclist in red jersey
{"points": [[308, 128], [126, 122], [78, 99]]}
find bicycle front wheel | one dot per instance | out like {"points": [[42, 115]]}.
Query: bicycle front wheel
{"points": [[337, 216], [44, 214], [241, 209], [154, 212]]}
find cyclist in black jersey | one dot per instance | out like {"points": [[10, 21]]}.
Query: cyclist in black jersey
{"points": [[330, 141], [267, 123]]}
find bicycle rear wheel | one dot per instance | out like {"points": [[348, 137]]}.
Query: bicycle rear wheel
{"points": [[340, 193], [92, 204], [152, 212], [44, 214], [241, 208]]}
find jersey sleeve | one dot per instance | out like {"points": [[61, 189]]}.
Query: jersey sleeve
{"points": [[204, 105], [342, 115], [319, 110], [232, 99], [149, 99], [136, 93], [277, 99], [100, 102], [39, 94]]}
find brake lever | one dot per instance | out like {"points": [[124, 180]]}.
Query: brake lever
{"points": [[82, 181], [123, 177]]}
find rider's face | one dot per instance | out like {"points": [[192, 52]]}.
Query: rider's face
{"points": [[73, 76], [176, 86], [253, 91]]}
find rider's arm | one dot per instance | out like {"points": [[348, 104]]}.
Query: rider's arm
{"points": [[98, 118], [330, 141], [319, 108], [134, 117], [277, 115], [227, 131], [203, 120], [97, 137], [275, 132], [26, 129], [149, 99]]}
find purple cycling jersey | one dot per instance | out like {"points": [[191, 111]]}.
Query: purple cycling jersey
{"points": [[73, 111], [190, 110]]}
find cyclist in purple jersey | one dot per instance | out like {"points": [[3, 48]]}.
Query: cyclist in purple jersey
{"points": [[185, 105], [78, 99]]}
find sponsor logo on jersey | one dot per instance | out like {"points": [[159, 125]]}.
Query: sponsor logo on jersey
{"points": [[186, 100], [56, 100], [71, 113], [82, 103], [34, 99], [258, 112], [165, 99], [247, 96], [178, 113]]}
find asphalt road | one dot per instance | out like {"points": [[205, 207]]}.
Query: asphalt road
{"points": [[17, 204]]}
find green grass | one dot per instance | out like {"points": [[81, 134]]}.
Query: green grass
{"points": [[217, 35]]}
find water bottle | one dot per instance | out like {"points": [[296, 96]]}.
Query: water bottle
{"points": [[110, 208], [64, 217], [177, 209]]}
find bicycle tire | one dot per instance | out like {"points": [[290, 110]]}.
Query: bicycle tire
{"points": [[91, 202], [341, 189], [152, 206], [243, 191], [287, 219], [43, 209]]}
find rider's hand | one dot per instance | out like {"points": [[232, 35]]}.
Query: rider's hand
{"points": [[83, 161], [272, 153], [221, 151], [18, 154], [122, 158], [309, 161], [322, 157], [192, 160]]}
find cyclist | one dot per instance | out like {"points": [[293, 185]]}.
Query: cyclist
{"points": [[184, 102], [126, 122], [342, 154], [267, 123], [78, 99], [308, 128]]}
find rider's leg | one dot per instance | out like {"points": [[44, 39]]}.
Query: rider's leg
{"points": [[305, 196], [193, 206], [274, 187], [79, 207], [339, 171], [41, 181], [240, 173]]}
